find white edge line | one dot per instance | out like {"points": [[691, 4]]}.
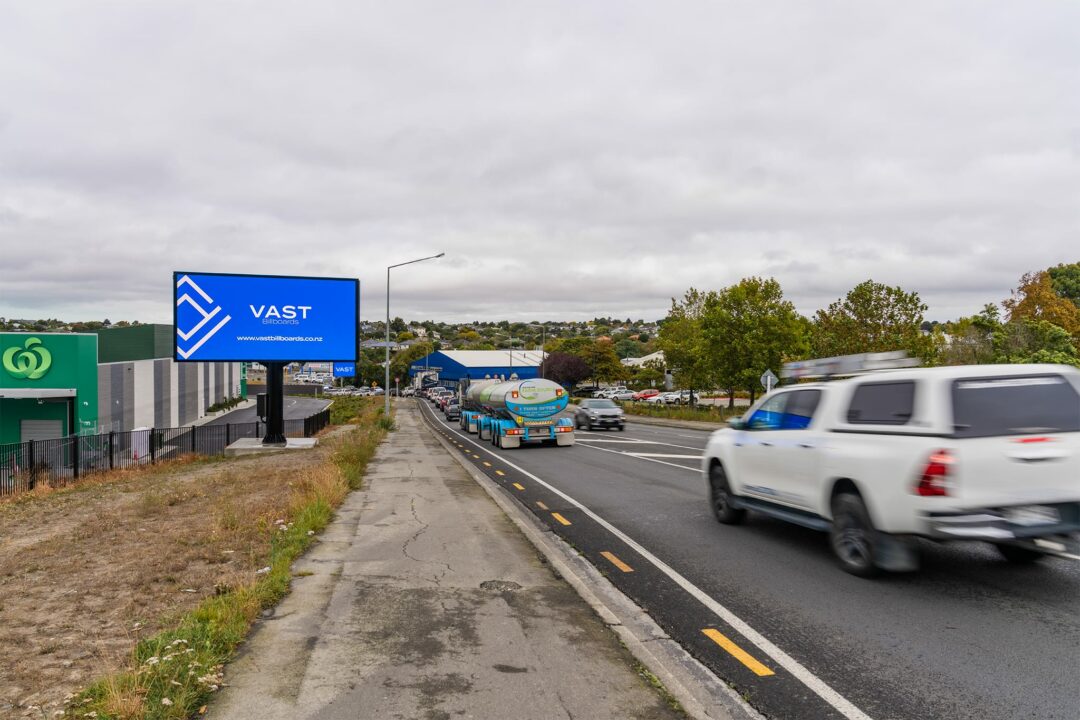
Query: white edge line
{"points": [[844, 706]]}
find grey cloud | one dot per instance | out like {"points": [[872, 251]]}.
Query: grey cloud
{"points": [[633, 149]]}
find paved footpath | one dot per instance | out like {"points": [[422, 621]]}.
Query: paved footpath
{"points": [[425, 601]]}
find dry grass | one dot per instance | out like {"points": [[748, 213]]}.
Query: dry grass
{"points": [[171, 673], [91, 571]]}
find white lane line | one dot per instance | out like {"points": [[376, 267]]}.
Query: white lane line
{"points": [[664, 455], [633, 441], [608, 440], [696, 471], [842, 705]]}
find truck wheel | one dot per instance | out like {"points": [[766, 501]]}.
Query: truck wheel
{"points": [[1020, 555], [720, 496], [852, 536]]}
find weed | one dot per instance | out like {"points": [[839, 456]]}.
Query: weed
{"points": [[171, 674]]}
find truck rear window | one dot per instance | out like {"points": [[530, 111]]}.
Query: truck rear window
{"points": [[1020, 405]]}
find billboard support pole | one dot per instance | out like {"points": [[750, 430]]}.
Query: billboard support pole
{"points": [[275, 405]]}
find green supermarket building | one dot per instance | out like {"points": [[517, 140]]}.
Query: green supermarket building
{"points": [[54, 385]]}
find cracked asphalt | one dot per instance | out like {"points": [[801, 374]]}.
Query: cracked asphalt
{"points": [[425, 601]]}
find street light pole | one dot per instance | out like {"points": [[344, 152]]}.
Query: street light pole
{"points": [[386, 384]]}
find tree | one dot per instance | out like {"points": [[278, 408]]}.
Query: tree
{"points": [[683, 343], [1034, 341], [872, 317], [397, 325], [566, 369], [750, 328], [1037, 299], [1066, 281], [400, 362], [604, 365], [629, 348]]}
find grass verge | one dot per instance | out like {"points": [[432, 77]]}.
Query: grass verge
{"points": [[703, 413], [172, 674]]}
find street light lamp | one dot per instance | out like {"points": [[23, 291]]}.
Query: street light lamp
{"points": [[386, 385]]}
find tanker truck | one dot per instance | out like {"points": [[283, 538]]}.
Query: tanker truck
{"points": [[517, 411]]}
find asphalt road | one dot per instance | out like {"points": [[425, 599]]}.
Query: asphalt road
{"points": [[967, 637], [295, 409]]}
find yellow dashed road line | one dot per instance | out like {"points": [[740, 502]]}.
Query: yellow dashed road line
{"points": [[519, 486], [560, 518], [737, 652], [610, 557], [500, 473], [541, 505], [487, 464]]}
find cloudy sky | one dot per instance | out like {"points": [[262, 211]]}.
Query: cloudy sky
{"points": [[573, 159]]}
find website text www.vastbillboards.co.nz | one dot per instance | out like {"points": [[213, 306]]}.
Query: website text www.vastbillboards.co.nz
{"points": [[279, 338]]}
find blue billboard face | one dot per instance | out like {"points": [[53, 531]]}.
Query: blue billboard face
{"points": [[344, 369], [228, 318]]}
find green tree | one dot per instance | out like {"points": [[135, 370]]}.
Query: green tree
{"points": [[1034, 341], [750, 328], [402, 359], [629, 348], [872, 317], [1037, 299], [603, 361], [683, 343], [1066, 281], [397, 325]]}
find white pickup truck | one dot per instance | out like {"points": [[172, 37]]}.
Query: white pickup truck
{"points": [[986, 452]]}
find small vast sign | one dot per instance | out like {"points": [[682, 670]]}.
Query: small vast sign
{"points": [[229, 318], [344, 369]]}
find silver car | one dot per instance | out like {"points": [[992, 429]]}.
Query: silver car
{"points": [[599, 412]]}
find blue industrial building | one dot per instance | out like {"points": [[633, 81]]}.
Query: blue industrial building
{"points": [[450, 367]]}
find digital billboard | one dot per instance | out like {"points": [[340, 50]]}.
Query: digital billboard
{"points": [[230, 318], [344, 369]]}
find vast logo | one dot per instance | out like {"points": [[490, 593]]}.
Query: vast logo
{"points": [[192, 333], [30, 362]]}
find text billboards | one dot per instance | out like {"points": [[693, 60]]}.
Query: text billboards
{"points": [[344, 369], [229, 318]]}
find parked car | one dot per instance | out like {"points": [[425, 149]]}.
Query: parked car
{"points": [[979, 452], [599, 412], [685, 395], [645, 394], [623, 394], [657, 399]]}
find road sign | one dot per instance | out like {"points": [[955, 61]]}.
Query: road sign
{"points": [[768, 380]]}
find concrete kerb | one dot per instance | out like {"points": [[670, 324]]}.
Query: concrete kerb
{"points": [[701, 694]]}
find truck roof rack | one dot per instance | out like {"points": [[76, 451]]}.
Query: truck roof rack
{"points": [[843, 365]]}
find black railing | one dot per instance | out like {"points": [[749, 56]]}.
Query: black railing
{"points": [[59, 462]]}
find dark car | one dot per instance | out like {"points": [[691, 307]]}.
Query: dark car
{"points": [[452, 411], [599, 412]]}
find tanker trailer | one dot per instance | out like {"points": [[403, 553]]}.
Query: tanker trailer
{"points": [[520, 411], [471, 410]]}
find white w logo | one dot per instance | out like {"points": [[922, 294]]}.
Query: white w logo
{"points": [[207, 316]]}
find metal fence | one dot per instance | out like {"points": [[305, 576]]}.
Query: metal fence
{"points": [[59, 462]]}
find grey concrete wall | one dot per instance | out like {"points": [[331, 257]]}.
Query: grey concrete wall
{"points": [[162, 392]]}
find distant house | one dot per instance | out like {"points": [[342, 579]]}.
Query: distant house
{"points": [[637, 362]]}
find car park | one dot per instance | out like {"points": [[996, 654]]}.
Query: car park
{"points": [[599, 412], [881, 459], [645, 394]]}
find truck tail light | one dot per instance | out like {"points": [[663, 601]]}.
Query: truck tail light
{"points": [[934, 481], [558, 392], [514, 393], [564, 428], [515, 431]]}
